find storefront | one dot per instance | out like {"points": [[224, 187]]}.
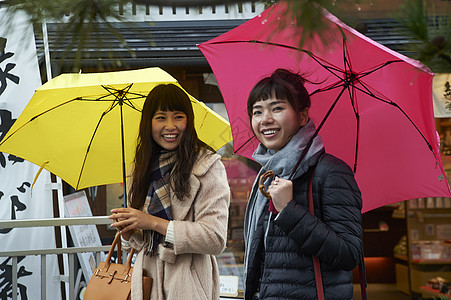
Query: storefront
{"points": [[404, 243]]}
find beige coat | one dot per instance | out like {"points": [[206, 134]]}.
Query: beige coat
{"points": [[188, 269]]}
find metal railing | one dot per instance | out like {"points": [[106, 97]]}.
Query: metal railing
{"points": [[71, 252]]}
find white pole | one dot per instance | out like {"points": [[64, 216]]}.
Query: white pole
{"points": [[59, 184], [48, 66]]}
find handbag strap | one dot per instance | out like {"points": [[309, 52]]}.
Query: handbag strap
{"points": [[119, 250], [113, 246], [316, 265], [117, 243]]}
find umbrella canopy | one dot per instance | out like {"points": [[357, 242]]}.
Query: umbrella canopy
{"points": [[84, 127], [372, 106]]}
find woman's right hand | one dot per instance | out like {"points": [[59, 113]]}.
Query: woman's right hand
{"points": [[130, 219], [281, 191], [124, 235]]}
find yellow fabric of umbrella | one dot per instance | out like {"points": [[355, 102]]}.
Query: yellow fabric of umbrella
{"points": [[72, 124]]}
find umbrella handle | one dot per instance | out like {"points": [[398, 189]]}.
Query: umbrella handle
{"points": [[261, 183]]}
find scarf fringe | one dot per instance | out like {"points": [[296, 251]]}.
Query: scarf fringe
{"points": [[151, 241]]}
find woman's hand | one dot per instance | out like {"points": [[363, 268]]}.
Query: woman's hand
{"points": [[130, 219], [281, 191]]}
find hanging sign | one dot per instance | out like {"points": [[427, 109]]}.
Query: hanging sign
{"points": [[441, 94], [19, 78]]}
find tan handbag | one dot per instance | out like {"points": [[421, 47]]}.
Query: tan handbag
{"points": [[112, 281]]}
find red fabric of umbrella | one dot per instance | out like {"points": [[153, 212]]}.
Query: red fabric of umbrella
{"points": [[372, 105]]}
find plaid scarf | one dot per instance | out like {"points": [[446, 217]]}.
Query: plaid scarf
{"points": [[158, 198]]}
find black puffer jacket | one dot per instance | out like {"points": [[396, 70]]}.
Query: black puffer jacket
{"points": [[334, 235]]}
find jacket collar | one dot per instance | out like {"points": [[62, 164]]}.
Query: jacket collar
{"points": [[181, 208]]}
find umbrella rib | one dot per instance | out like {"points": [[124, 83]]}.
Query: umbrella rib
{"points": [[89, 147], [118, 94], [366, 91], [123, 95], [331, 69], [371, 94], [126, 91], [109, 89], [115, 103], [121, 98], [131, 105], [245, 143], [424, 138], [363, 74], [112, 106], [304, 152], [333, 86], [345, 83], [35, 117], [345, 58], [390, 102], [203, 120], [127, 102], [102, 98], [309, 53]]}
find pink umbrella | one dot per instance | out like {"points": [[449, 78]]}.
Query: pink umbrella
{"points": [[372, 106]]}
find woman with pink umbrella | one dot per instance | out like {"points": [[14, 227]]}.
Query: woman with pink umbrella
{"points": [[304, 242]]}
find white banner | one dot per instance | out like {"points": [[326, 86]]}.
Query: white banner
{"points": [[19, 77], [441, 93]]}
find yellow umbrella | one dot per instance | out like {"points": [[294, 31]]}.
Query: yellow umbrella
{"points": [[83, 127]]}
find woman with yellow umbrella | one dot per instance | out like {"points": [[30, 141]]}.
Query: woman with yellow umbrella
{"points": [[178, 203]]}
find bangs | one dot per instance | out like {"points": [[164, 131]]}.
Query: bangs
{"points": [[281, 85], [169, 97], [271, 89], [281, 92], [172, 101]]}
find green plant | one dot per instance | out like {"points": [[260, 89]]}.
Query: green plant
{"points": [[77, 22], [432, 34]]}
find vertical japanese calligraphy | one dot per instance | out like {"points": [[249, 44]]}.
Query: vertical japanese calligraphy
{"points": [[5, 71], [19, 78]]}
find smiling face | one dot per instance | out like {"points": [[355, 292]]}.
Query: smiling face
{"points": [[275, 122], [168, 128]]}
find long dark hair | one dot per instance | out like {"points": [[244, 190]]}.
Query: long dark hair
{"points": [[165, 97], [284, 85]]}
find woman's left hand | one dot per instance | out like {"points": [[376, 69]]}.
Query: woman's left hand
{"points": [[281, 191]]}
